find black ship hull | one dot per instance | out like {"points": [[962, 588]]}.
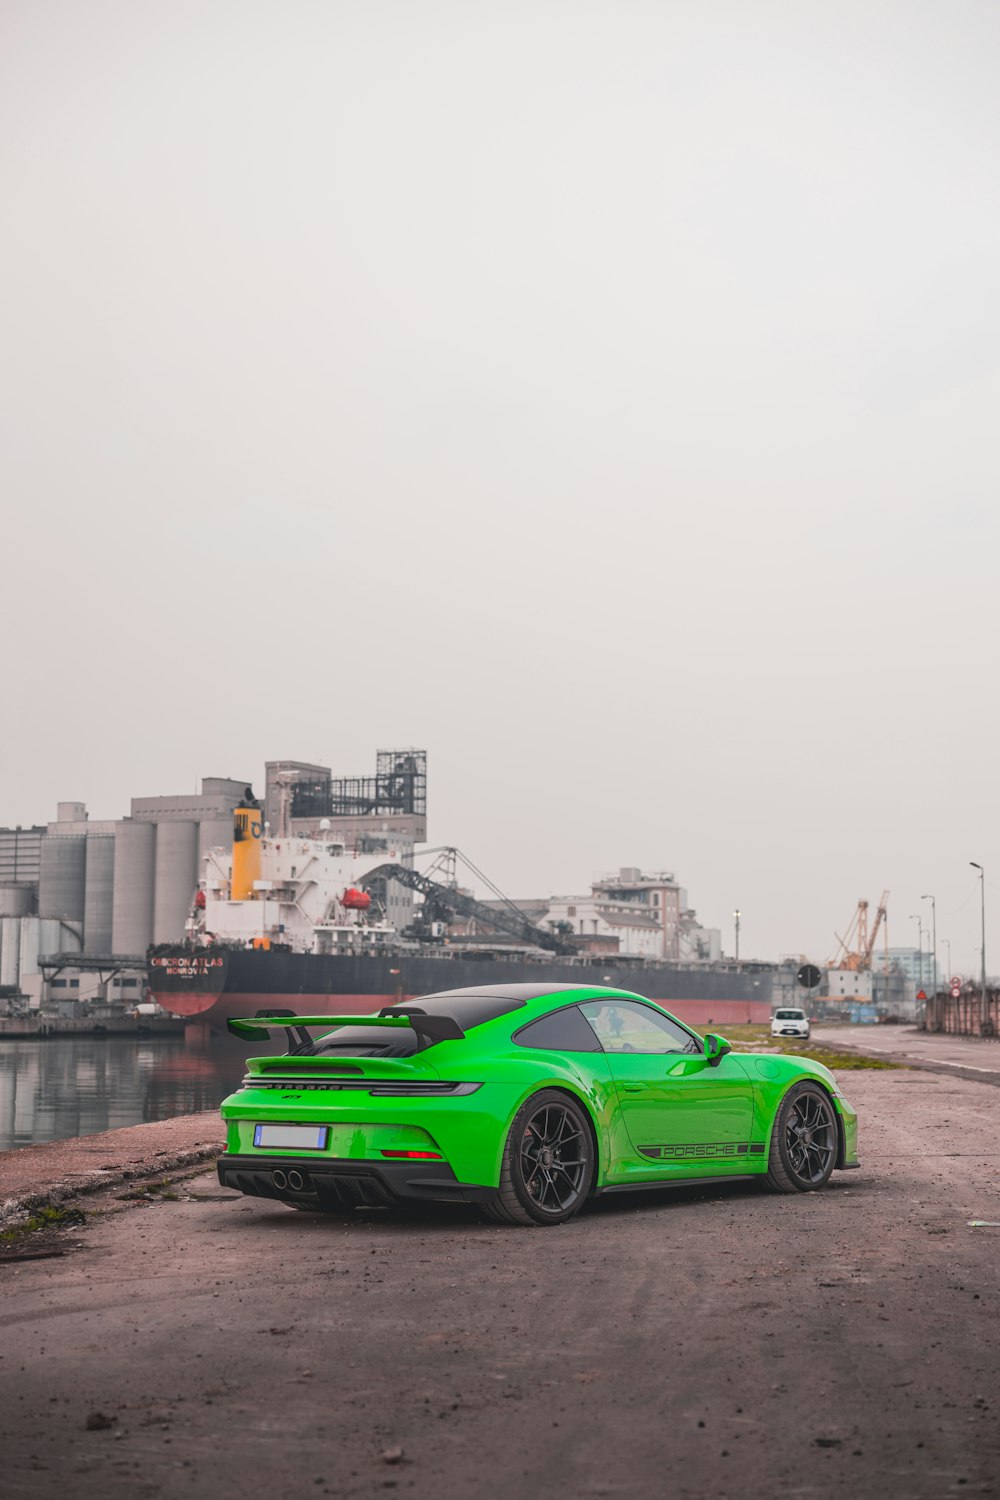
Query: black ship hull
{"points": [[213, 984]]}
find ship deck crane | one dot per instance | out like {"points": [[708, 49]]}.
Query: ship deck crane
{"points": [[448, 899]]}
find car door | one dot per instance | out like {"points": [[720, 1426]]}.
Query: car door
{"points": [[679, 1111]]}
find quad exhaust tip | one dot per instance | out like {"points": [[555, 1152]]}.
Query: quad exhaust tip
{"points": [[296, 1181], [279, 1179]]}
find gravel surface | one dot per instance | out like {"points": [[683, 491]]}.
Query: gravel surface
{"points": [[689, 1343]]}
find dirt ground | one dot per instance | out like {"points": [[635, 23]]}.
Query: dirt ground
{"points": [[719, 1342]]}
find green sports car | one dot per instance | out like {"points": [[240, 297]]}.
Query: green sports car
{"points": [[525, 1099]]}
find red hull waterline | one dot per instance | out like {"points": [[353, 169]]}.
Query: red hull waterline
{"points": [[215, 1010]]}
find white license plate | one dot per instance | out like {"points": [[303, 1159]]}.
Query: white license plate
{"points": [[292, 1137]]}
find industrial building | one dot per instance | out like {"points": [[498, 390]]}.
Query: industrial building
{"points": [[642, 915], [393, 801], [917, 967], [105, 889]]}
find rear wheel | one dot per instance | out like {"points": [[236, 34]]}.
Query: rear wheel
{"points": [[548, 1162], [803, 1141]]}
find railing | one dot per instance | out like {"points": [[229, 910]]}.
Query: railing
{"points": [[964, 1014]]}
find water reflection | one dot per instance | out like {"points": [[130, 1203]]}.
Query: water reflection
{"points": [[68, 1086]]}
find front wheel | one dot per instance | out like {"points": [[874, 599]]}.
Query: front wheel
{"points": [[548, 1162], [803, 1141]]}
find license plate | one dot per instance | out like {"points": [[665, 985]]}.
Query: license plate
{"points": [[292, 1137]]}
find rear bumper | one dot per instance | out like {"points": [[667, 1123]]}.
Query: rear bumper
{"points": [[348, 1183]]}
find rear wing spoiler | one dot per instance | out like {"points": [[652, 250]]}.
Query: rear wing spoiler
{"points": [[429, 1028]]}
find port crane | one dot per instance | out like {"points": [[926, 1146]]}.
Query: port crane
{"points": [[446, 900], [857, 946]]}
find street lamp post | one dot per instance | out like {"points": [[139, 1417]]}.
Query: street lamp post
{"points": [[983, 1014], [916, 917], [946, 943], [934, 974], [736, 918]]}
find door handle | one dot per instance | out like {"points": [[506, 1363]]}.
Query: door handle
{"points": [[633, 1088]]}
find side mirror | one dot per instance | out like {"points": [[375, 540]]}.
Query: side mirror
{"points": [[716, 1048]]}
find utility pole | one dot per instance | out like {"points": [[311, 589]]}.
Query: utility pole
{"points": [[983, 1011], [736, 917], [934, 975]]}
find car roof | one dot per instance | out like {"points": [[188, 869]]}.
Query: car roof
{"points": [[478, 1004], [521, 992]]}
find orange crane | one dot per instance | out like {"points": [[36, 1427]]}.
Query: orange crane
{"points": [[856, 948]]}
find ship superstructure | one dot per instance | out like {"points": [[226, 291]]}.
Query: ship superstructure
{"points": [[296, 893]]}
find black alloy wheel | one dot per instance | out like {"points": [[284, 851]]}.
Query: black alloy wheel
{"points": [[552, 1167], [548, 1162], [804, 1140]]}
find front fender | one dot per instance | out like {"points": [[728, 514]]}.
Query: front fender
{"points": [[773, 1074]]}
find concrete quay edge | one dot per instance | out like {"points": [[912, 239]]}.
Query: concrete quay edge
{"points": [[60, 1171]]}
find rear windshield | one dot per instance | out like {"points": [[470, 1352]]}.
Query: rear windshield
{"points": [[385, 1041], [789, 1015], [468, 1009]]}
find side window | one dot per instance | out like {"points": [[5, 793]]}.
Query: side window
{"points": [[563, 1031], [627, 1026]]}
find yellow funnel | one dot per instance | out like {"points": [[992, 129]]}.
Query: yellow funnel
{"points": [[248, 825]]}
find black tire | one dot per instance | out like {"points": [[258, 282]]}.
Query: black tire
{"points": [[548, 1162], [803, 1141]]}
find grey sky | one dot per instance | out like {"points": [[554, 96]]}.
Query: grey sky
{"points": [[601, 395]]}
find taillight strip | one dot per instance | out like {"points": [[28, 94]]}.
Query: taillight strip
{"points": [[381, 1088], [416, 1155]]}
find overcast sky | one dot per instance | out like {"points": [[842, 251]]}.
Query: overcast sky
{"points": [[602, 395]]}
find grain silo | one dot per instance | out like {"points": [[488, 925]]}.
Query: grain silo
{"points": [[132, 925], [213, 833], [55, 937], [16, 900], [61, 886], [176, 878], [99, 894], [30, 938], [10, 950]]}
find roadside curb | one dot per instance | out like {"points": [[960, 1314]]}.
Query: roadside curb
{"points": [[57, 1174], [926, 1065]]}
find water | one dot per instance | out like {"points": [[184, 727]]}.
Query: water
{"points": [[68, 1086]]}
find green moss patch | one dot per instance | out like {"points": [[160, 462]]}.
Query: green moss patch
{"points": [[50, 1216], [759, 1039]]}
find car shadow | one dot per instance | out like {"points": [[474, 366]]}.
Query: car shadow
{"points": [[447, 1217]]}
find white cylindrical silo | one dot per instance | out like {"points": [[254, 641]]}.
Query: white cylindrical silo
{"points": [[10, 950], [63, 877], [56, 937], [132, 918], [30, 934], [176, 878], [15, 900], [98, 907]]}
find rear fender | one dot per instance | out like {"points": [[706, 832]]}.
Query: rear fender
{"points": [[597, 1105]]}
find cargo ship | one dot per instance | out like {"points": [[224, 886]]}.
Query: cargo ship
{"points": [[294, 923]]}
